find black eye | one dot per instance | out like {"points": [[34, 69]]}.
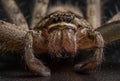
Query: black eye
{"points": [[55, 19], [68, 19]]}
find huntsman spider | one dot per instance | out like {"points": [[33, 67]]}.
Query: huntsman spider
{"points": [[59, 31]]}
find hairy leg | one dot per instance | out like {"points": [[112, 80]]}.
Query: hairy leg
{"points": [[14, 13], [93, 61], [110, 31], [94, 13], [115, 18], [32, 62], [11, 37], [39, 11]]}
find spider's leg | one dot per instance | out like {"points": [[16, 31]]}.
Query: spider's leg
{"points": [[11, 37], [32, 62], [39, 11], [115, 18], [93, 61], [110, 31], [14, 13], [94, 13]]}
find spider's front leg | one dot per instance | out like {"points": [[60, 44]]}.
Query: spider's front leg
{"points": [[14, 14], [94, 40], [38, 12], [32, 62], [94, 12]]}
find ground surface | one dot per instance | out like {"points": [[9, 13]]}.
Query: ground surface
{"points": [[107, 72]]}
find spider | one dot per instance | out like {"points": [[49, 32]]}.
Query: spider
{"points": [[60, 31]]}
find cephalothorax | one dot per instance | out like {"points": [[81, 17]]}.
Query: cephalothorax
{"points": [[60, 33]]}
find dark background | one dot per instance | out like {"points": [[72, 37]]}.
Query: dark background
{"points": [[12, 67]]}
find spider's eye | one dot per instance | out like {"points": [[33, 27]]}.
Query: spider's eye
{"points": [[67, 19], [55, 19]]}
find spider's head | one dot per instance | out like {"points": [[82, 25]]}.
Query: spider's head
{"points": [[61, 29]]}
